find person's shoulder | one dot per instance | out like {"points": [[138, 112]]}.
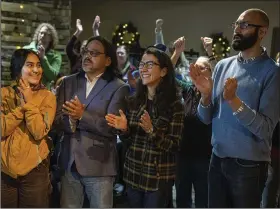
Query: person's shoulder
{"points": [[47, 94], [54, 54], [118, 82], [271, 64], [32, 46], [227, 60]]}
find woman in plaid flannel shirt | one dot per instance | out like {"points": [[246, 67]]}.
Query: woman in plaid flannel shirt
{"points": [[152, 126]]}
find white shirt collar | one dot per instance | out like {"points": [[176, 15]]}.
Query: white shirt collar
{"points": [[95, 78]]}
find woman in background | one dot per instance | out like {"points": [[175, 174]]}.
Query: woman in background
{"points": [[45, 40]]}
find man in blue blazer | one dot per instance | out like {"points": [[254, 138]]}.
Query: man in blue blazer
{"points": [[88, 154]]}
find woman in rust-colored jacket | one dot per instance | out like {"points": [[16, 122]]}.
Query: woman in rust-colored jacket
{"points": [[27, 113]]}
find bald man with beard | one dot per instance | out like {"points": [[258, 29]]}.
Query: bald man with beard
{"points": [[242, 102]]}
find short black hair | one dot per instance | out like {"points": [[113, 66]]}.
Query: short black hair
{"points": [[110, 51], [17, 62]]}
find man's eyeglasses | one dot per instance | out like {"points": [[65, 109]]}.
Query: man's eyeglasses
{"points": [[91, 53], [244, 25], [148, 64]]}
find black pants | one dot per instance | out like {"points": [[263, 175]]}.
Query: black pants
{"points": [[236, 183], [29, 191], [145, 199], [192, 173], [271, 193]]}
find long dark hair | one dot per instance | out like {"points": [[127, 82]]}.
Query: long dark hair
{"points": [[17, 62], [166, 92], [110, 51]]}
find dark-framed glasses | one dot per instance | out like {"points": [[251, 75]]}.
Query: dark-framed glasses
{"points": [[244, 25], [91, 53], [148, 64]]}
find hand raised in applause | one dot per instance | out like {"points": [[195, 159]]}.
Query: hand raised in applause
{"points": [[230, 88], [117, 122], [146, 123], [74, 108], [202, 83]]}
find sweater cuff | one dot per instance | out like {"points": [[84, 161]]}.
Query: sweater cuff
{"points": [[29, 106], [18, 112], [246, 116]]}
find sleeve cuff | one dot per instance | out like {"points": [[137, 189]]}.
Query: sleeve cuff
{"points": [[205, 107], [29, 106], [73, 124], [19, 112], [246, 116]]}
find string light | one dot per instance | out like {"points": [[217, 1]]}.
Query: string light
{"points": [[125, 34], [221, 46], [22, 20], [21, 6]]}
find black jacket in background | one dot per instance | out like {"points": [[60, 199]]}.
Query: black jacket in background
{"points": [[196, 139], [75, 59]]}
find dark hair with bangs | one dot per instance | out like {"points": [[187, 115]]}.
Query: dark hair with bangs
{"points": [[17, 62], [166, 92], [110, 51]]}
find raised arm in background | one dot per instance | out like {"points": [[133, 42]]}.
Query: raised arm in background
{"points": [[96, 25]]}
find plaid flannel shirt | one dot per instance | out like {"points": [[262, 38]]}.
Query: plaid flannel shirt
{"points": [[150, 158]]}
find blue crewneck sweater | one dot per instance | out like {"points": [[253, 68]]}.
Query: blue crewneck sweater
{"points": [[245, 135]]}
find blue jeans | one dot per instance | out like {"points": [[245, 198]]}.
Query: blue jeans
{"points": [[236, 183], [271, 193], [192, 172], [99, 191], [144, 199]]}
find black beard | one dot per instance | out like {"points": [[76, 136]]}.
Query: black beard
{"points": [[245, 42]]}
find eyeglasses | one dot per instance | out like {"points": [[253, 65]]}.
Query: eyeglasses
{"points": [[148, 64], [91, 53], [244, 25]]}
